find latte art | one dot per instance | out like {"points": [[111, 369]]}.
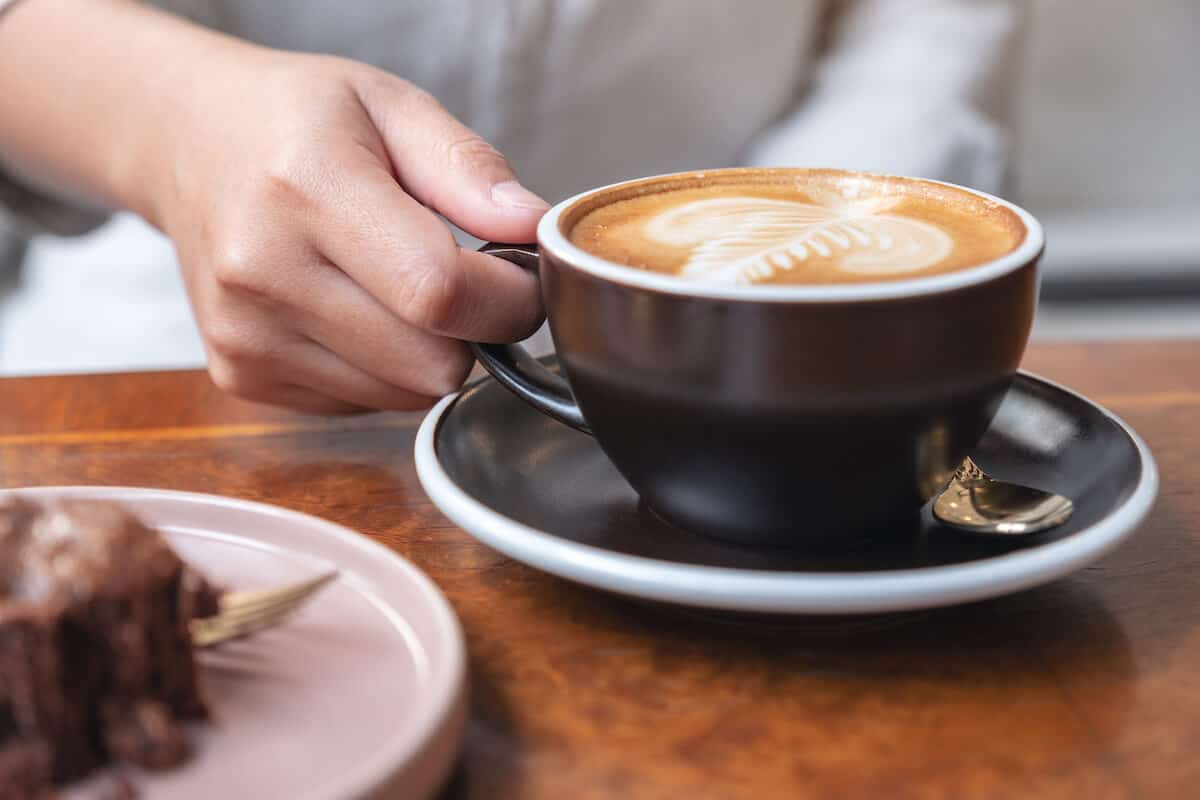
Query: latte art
{"points": [[750, 239], [754, 227]]}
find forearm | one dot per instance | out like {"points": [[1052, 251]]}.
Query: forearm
{"points": [[90, 96]]}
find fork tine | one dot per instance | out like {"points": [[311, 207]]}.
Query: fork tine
{"points": [[279, 606], [247, 601], [216, 630], [242, 614]]}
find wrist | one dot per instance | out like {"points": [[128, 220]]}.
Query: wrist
{"points": [[171, 112]]}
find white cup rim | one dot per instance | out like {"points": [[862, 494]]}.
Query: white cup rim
{"points": [[552, 240]]}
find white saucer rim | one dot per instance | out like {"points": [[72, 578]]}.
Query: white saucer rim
{"points": [[447, 688], [747, 590]]}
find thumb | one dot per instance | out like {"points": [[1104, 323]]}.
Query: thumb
{"points": [[450, 168]]}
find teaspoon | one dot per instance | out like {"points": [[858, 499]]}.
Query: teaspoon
{"points": [[975, 502]]}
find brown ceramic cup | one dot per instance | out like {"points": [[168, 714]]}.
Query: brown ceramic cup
{"points": [[785, 415]]}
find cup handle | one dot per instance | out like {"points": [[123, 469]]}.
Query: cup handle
{"points": [[519, 372]]}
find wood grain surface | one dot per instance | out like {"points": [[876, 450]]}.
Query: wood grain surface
{"points": [[1089, 687]]}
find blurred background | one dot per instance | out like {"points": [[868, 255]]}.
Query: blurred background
{"points": [[1107, 157]]}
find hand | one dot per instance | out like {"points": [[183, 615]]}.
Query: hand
{"points": [[300, 192]]}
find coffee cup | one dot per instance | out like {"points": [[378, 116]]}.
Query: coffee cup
{"points": [[779, 356]]}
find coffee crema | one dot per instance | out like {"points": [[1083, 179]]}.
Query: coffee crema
{"points": [[792, 226]]}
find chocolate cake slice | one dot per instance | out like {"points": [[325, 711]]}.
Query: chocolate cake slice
{"points": [[96, 661]]}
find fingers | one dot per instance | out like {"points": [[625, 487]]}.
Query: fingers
{"points": [[314, 367], [407, 259], [320, 331], [306, 376], [331, 309], [449, 167], [307, 401], [259, 383]]}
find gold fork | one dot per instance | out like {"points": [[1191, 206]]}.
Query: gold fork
{"points": [[243, 613]]}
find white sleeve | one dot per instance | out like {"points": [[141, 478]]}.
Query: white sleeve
{"points": [[909, 87]]}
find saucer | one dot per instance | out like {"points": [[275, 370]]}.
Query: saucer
{"points": [[361, 693], [546, 495]]}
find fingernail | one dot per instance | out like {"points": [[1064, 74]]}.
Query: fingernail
{"points": [[514, 195]]}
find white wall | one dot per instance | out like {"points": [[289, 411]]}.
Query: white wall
{"points": [[1109, 138]]}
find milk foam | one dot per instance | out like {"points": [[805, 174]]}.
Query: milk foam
{"points": [[745, 240], [791, 227]]}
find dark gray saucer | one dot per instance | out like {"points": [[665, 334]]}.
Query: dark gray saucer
{"points": [[547, 495]]}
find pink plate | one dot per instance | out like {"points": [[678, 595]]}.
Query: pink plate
{"points": [[361, 695]]}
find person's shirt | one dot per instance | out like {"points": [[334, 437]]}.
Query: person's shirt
{"points": [[582, 93]]}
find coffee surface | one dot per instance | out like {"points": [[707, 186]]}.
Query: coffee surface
{"points": [[793, 227]]}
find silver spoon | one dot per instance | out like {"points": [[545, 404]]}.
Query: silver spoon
{"points": [[975, 502]]}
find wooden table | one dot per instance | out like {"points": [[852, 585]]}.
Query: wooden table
{"points": [[1088, 688]]}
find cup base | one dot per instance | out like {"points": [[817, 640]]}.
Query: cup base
{"points": [[813, 533]]}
